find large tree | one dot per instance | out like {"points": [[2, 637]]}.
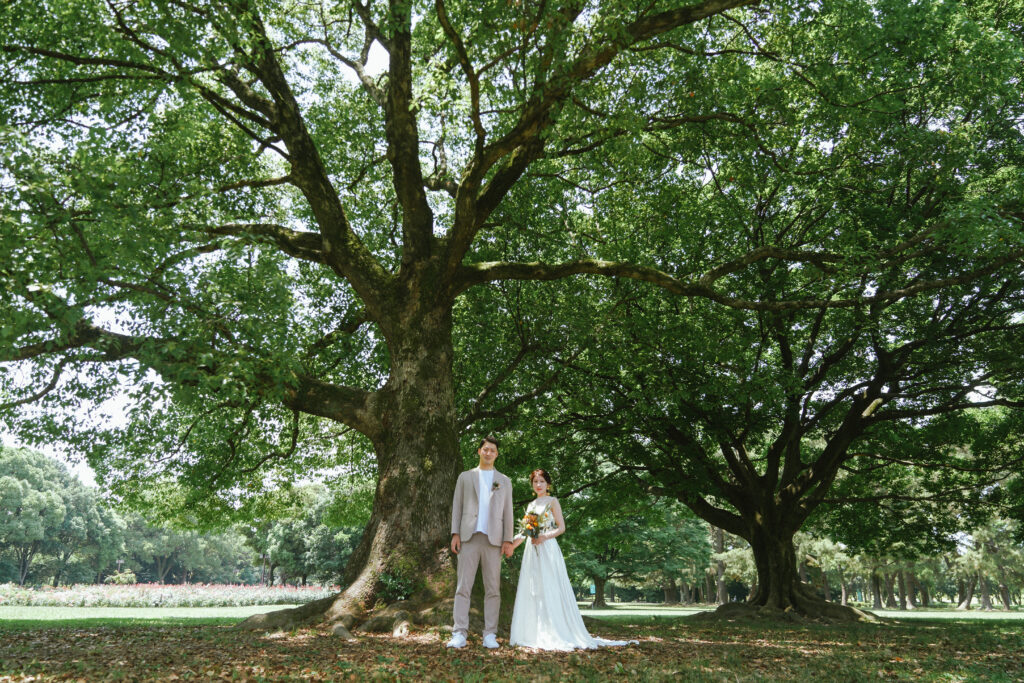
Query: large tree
{"points": [[751, 417], [222, 206]]}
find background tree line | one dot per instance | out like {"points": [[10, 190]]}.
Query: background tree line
{"points": [[55, 530]]}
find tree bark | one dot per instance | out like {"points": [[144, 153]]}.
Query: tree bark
{"points": [[25, 555], [842, 587], [778, 584], [722, 593], [965, 603], [876, 590], [890, 597], [986, 596], [671, 592], [418, 462], [599, 588], [1004, 589], [901, 583], [825, 589], [926, 598], [912, 585]]}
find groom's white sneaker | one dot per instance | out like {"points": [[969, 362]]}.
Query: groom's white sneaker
{"points": [[458, 640], [490, 642]]}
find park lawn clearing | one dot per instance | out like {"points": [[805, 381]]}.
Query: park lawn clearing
{"points": [[16, 618], [670, 649]]}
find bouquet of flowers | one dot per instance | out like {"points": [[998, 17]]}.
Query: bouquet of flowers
{"points": [[529, 525], [533, 523]]}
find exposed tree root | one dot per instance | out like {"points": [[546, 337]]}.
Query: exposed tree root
{"points": [[427, 608], [309, 613]]}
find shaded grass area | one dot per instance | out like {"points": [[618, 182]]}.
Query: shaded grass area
{"points": [[670, 649]]}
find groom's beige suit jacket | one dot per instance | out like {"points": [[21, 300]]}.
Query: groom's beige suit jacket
{"points": [[466, 504]]}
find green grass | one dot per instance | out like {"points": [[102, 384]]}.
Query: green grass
{"points": [[83, 617], [670, 648], [625, 611], [952, 615]]}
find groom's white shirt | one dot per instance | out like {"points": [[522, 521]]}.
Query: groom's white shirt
{"points": [[484, 504]]}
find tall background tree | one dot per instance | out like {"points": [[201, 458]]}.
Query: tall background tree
{"points": [[218, 212]]}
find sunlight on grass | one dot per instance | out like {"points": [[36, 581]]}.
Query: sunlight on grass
{"points": [[49, 617]]}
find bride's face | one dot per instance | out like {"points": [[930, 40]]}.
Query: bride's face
{"points": [[540, 486]]}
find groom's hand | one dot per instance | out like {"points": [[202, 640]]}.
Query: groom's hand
{"points": [[506, 549], [456, 544]]}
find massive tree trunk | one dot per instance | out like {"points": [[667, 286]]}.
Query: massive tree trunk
{"points": [[778, 584], [418, 463], [779, 588]]}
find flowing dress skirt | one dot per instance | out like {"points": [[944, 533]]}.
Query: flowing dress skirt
{"points": [[545, 615]]}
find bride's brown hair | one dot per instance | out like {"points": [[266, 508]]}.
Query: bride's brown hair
{"points": [[543, 473]]}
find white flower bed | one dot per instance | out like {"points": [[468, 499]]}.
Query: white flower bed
{"points": [[156, 595]]}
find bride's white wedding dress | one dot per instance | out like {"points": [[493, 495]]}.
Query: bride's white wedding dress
{"points": [[545, 615]]}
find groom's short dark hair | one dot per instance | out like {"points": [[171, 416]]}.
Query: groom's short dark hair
{"points": [[490, 437]]}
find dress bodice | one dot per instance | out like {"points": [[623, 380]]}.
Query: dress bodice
{"points": [[545, 516]]}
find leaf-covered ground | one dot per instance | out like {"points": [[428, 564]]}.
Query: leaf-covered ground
{"points": [[668, 650]]}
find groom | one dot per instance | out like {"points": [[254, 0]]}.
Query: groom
{"points": [[481, 534]]}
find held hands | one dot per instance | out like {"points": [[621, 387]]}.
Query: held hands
{"points": [[456, 544], [507, 548]]}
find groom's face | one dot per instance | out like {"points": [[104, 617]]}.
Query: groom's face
{"points": [[488, 453]]}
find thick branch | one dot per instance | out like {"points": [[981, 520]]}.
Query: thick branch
{"points": [[403, 138], [354, 407], [308, 246], [479, 273]]}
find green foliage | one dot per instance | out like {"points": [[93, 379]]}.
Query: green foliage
{"points": [[206, 217], [396, 587], [122, 578]]}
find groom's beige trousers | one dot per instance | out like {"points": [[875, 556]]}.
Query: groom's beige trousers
{"points": [[477, 551]]}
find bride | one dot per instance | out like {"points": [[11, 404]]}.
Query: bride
{"points": [[545, 615]]}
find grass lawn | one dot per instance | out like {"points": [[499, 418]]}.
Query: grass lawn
{"points": [[12, 618], [671, 648]]}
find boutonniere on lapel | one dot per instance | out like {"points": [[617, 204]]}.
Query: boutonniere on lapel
{"points": [[495, 486]]}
